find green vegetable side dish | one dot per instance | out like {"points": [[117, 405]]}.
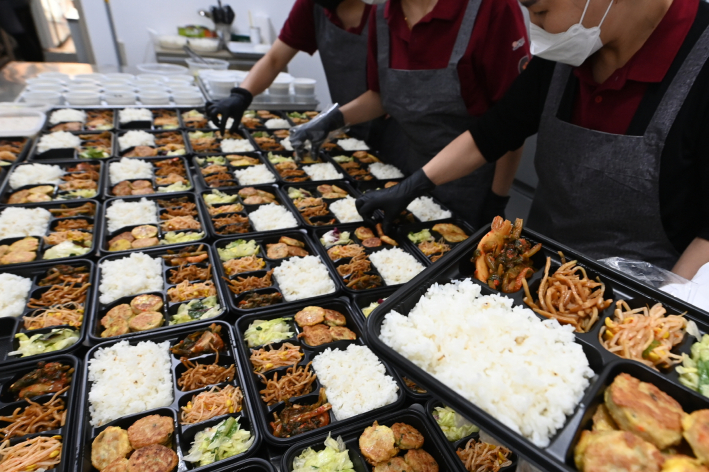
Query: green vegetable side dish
{"points": [[342, 159], [421, 237], [55, 340], [276, 159], [295, 114], [218, 160], [335, 238], [178, 152], [219, 197], [174, 237], [176, 187], [262, 332], [76, 194], [334, 458], [239, 248], [260, 134], [454, 426], [296, 193], [200, 134], [193, 114], [65, 249], [372, 306], [93, 153], [694, 371], [196, 310], [219, 442]]}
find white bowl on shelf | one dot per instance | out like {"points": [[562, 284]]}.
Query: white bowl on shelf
{"points": [[180, 79], [279, 89], [116, 81], [54, 75], [222, 86], [204, 44], [118, 97], [150, 78], [303, 86], [154, 97], [119, 88], [41, 81], [46, 88], [162, 69], [94, 77], [214, 64], [45, 98], [119, 76], [84, 88], [82, 98], [172, 41], [186, 98]]}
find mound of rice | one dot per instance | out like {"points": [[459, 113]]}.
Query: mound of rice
{"points": [[528, 373], [129, 379], [352, 144], [345, 210], [229, 124], [236, 145], [67, 115], [355, 379], [385, 171], [425, 209], [322, 171], [19, 222], [127, 169], [396, 265], [32, 174], [136, 138], [253, 175], [272, 216], [277, 123], [303, 277], [58, 140], [15, 290], [135, 114], [122, 213], [131, 275]]}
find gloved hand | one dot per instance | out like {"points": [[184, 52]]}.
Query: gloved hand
{"points": [[316, 131], [493, 206], [393, 200], [232, 107]]}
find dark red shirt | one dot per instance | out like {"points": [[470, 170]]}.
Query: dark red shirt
{"points": [[299, 29], [611, 106], [497, 51]]}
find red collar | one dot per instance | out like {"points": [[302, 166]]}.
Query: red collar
{"points": [[446, 10]]}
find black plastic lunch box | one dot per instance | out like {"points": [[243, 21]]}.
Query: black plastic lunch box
{"points": [[325, 221], [26, 142], [48, 126], [52, 156], [107, 193]]}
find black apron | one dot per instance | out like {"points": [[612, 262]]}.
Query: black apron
{"points": [[599, 192]]}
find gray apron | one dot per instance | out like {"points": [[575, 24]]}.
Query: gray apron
{"points": [[430, 108], [599, 193]]}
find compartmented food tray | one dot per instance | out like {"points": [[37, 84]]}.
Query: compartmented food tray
{"points": [[255, 120], [440, 245], [178, 264], [72, 181], [97, 119], [313, 205], [169, 143], [218, 170], [264, 412], [14, 150], [253, 261], [63, 371], [356, 165], [285, 165], [178, 217], [164, 119], [250, 465], [65, 287], [231, 218], [208, 142], [558, 455], [184, 434], [167, 173], [351, 434], [93, 145], [268, 140]]}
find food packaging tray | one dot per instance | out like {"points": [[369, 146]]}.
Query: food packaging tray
{"points": [[184, 434], [7, 190], [25, 143], [118, 152], [169, 308], [350, 435], [10, 326], [188, 175], [8, 404], [558, 456], [264, 413], [297, 178], [312, 187], [149, 125], [420, 226], [107, 235], [355, 175], [351, 227], [262, 122], [48, 126], [200, 163], [217, 232], [262, 240], [240, 134], [189, 127], [253, 134], [51, 156], [250, 465]]}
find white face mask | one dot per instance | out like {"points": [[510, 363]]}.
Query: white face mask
{"points": [[375, 2], [571, 47]]}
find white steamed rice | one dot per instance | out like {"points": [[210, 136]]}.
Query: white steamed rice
{"points": [[425, 209], [32, 174], [129, 379], [352, 144], [355, 379], [322, 171], [396, 265], [229, 124], [135, 114], [130, 275], [345, 210], [67, 115], [15, 290], [303, 277], [127, 169], [18, 222], [272, 216], [122, 213], [236, 145], [136, 138], [58, 140], [254, 175], [277, 123], [385, 171], [528, 373]]}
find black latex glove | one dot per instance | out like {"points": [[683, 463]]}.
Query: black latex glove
{"points": [[232, 107], [494, 206], [393, 200], [316, 131]]}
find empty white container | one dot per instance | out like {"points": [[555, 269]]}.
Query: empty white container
{"points": [[94, 77], [119, 76], [188, 98], [54, 75], [82, 98], [304, 86], [43, 98], [154, 98], [120, 97], [161, 69], [46, 88]]}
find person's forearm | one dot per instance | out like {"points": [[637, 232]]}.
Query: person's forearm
{"points": [[505, 171], [692, 259], [264, 72], [366, 107], [458, 159]]}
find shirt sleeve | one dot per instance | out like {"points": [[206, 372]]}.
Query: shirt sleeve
{"points": [[298, 31], [516, 115], [372, 66]]}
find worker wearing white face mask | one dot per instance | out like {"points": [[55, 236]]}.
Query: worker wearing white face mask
{"points": [[619, 94]]}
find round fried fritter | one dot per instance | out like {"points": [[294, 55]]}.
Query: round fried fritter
{"points": [[406, 436], [120, 312], [316, 335], [111, 444], [117, 327], [153, 429], [119, 465], [310, 316], [611, 451], [421, 461], [696, 432], [143, 303], [334, 318], [340, 333], [377, 444], [146, 321], [155, 458], [395, 464]]}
